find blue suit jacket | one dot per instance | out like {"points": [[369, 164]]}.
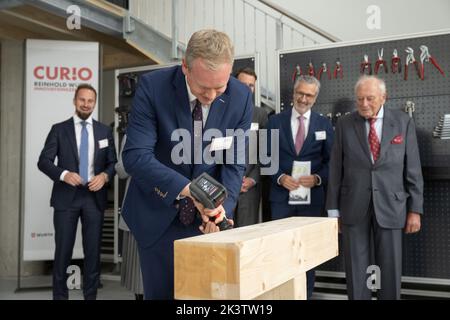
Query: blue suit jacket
{"points": [[61, 143], [316, 151], [161, 106]]}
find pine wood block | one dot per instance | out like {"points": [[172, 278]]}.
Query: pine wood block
{"points": [[248, 262]]}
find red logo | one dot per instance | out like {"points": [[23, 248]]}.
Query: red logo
{"points": [[62, 73], [33, 235], [397, 139]]}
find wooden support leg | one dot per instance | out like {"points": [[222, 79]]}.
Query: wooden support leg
{"points": [[294, 289]]}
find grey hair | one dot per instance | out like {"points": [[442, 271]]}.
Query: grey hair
{"points": [[380, 82], [213, 46], [308, 80]]}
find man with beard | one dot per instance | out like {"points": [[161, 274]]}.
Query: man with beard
{"points": [[304, 136], [86, 158]]}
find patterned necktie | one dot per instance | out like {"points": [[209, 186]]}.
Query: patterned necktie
{"points": [[197, 114], [84, 149], [300, 138], [197, 125], [187, 211], [374, 142], [187, 207]]}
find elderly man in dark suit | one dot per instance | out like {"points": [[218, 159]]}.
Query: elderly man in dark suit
{"points": [[247, 209], [182, 101], [86, 158], [375, 188], [304, 136]]}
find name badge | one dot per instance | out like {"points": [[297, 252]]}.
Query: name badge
{"points": [[254, 126], [102, 143], [321, 135], [221, 143]]}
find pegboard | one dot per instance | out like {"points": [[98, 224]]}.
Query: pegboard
{"points": [[351, 56], [426, 254]]}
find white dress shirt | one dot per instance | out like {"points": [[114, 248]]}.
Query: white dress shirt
{"points": [[77, 123], [295, 122], [294, 128], [205, 112], [193, 101], [378, 128]]}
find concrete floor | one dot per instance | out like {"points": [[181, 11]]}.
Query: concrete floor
{"points": [[112, 290]]}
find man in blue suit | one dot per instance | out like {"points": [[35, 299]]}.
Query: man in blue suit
{"points": [[86, 158], [304, 135], [174, 102]]}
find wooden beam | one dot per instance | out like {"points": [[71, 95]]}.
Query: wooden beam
{"points": [[245, 263], [294, 289]]}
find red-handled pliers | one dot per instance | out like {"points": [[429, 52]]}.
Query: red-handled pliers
{"points": [[323, 69], [425, 56], [381, 62], [410, 59], [396, 64], [366, 65], [338, 70], [311, 71], [297, 73]]}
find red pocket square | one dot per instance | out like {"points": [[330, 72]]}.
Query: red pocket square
{"points": [[397, 139]]}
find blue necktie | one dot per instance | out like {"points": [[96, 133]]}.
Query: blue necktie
{"points": [[84, 149]]}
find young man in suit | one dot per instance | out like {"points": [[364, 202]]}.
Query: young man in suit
{"points": [[375, 188], [247, 210], [86, 158], [304, 135], [173, 104]]}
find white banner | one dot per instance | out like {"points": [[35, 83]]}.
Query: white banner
{"points": [[53, 71]]}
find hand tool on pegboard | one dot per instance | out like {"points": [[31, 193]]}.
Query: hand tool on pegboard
{"points": [[396, 64], [297, 73], [410, 59], [425, 56], [338, 69], [366, 65], [311, 71], [324, 68], [381, 62], [410, 108], [442, 130]]}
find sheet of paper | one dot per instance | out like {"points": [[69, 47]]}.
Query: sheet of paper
{"points": [[301, 195]]}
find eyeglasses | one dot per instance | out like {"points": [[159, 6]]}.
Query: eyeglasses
{"points": [[302, 94]]}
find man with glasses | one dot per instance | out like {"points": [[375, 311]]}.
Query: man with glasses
{"points": [[304, 135]]}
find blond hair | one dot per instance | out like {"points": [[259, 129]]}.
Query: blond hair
{"points": [[213, 46]]}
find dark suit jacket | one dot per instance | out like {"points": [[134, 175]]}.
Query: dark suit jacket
{"points": [[316, 151], [395, 180], [61, 143], [161, 106], [253, 169]]}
